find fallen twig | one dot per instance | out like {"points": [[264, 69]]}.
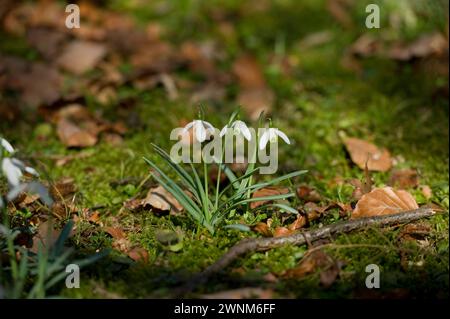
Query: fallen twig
{"points": [[257, 244]]}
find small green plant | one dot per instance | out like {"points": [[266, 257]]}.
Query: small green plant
{"points": [[207, 204], [25, 273]]}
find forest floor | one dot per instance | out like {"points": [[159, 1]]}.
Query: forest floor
{"points": [[324, 87]]}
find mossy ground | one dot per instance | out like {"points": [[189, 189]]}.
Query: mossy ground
{"points": [[392, 105]]}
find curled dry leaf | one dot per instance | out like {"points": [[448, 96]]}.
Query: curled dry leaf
{"points": [[384, 201], [282, 231], [263, 229], [159, 198], [63, 188], [426, 191], [362, 152], [309, 264], [255, 96], [267, 191], [317, 260], [74, 136], [308, 194], [81, 56], [404, 178]]}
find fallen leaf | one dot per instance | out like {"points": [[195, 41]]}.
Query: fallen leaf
{"points": [[81, 56], [405, 178], [267, 191], [73, 136], [384, 201], [255, 96], [308, 194], [115, 232], [416, 231], [159, 198], [309, 264], [362, 152], [426, 191], [263, 229], [63, 188], [138, 254], [39, 83], [340, 10], [282, 231], [424, 46], [241, 293], [299, 222]]}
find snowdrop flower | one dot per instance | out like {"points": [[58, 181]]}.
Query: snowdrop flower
{"points": [[6, 145], [271, 135], [13, 170], [200, 129], [238, 127]]}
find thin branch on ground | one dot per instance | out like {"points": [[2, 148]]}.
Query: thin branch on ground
{"points": [[261, 244]]}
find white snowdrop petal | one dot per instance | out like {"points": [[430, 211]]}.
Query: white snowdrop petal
{"points": [[263, 140], [223, 131], [207, 125], [6, 145], [31, 170], [246, 132], [11, 171], [200, 132], [283, 136]]}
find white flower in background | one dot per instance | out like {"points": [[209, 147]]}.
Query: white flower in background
{"points": [[6, 145], [201, 128], [13, 170], [238, 127], [272, 135]]}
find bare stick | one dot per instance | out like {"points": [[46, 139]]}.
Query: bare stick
{"points": [[257, 244]]}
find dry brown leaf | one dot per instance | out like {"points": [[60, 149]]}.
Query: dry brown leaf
{"points": [[282, 231], [309, 264], [308, 194], [267, 191], [74, 136], [241, 293], [384, 201], [63, 188], [248, 72], [263, 229], [339, 9], [115, 232], [255, 96], [81, 56], [138, 254], [299, 222], [426, 191], [362, 152], [39, 83], [316, 260], [160, 199], [426, 45], [404, 178]]}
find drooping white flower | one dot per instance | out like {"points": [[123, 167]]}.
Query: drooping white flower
{"points": [[239, 127], [201, 128], [6, 145], [12, 172], [272, 135]]}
